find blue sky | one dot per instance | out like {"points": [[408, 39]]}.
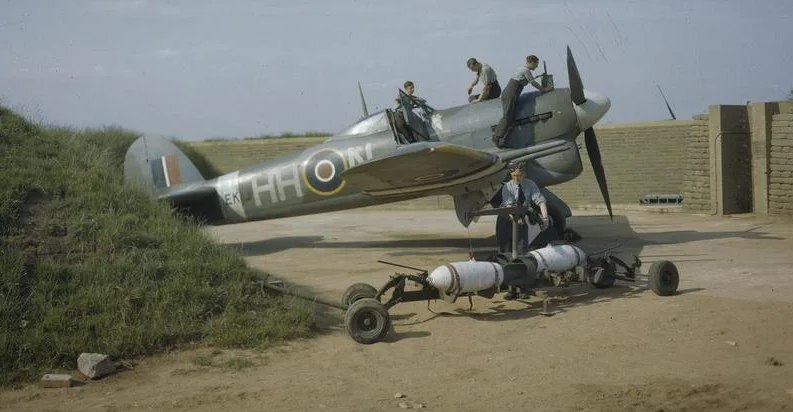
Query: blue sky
{"points": [[199, 69]]}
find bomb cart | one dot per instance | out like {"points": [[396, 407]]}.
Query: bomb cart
{"points": [[553, 266]]}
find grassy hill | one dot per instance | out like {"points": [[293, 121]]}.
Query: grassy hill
{"points": [[90, 265]]}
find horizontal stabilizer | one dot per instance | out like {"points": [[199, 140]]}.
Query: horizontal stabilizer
{"points": [[188, 193], [421, 167]]}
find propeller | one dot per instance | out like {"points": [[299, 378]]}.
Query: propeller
{"points": [[576, 85], [590, 140], [593, 151]]}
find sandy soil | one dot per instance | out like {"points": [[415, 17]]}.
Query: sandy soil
{"points": [[725, 343]]}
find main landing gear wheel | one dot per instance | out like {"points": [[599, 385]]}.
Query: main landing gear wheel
{"points": [[663, 278], [358, 291], [367, 321]]}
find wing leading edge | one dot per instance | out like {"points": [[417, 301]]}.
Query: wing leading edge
{"points": [[426, 166], [420, 167]]}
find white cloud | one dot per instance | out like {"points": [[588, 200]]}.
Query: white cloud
{"points": [[199, 49], [60, 72], [120, 5], [134, 6], [168, 10], [167, 53], [390, 84]]}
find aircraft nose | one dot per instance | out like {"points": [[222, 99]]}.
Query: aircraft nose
{"points": [[592, 110]]}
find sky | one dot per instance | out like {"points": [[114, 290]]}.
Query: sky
{"points": [[202, 69]]}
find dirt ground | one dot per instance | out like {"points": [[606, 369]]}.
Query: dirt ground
{"points": [[725, 343]]}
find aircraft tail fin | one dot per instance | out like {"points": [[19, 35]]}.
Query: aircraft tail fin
{"points": [[155, 162]]}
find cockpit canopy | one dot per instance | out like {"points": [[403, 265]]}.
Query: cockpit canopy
{"points": [[374, 123], [402, 117]]}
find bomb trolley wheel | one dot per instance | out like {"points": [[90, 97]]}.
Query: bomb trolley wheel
{"points": [[664, 278], [358, 291], [367, 321]]}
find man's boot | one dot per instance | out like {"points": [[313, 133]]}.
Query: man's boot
{"points": [[511, 294]]}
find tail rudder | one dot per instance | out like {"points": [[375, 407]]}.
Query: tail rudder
{"points": [[156, 162]]}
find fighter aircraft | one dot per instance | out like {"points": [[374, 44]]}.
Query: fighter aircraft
{"points": [[374, 161]]}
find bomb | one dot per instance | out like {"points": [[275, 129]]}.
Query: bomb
{"points": [[558, 258], [466, 277]]}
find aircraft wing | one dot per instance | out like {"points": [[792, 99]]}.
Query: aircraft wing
{"points": [[426, 166], [420, 167]]}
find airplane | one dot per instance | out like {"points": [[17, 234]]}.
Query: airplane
{"points": [[374, 161]]}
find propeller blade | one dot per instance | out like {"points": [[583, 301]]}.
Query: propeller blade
{"points": [[597, 166], [576, 85]]}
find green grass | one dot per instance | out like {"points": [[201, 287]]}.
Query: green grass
{"points": [[204, 166], [284, 135], [90, 265]]}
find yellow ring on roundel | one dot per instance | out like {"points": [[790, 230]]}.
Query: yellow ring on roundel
{"points": [[330, 188]]}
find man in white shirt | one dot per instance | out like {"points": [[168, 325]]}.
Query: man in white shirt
{"points": [[487, 77], [520, 190], [509, 99]]}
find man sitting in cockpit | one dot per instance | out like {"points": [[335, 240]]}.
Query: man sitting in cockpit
{"points": [[399, 117], [410, 88]]}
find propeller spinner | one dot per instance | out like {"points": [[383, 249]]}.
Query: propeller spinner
{"points": [[589, 107]]}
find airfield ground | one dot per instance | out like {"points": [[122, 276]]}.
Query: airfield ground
{"points": [[725, 343]]}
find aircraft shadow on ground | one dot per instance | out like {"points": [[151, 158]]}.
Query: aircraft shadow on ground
{"points": [[496, 309], [274, 245], [561, 300], [597, 232]]}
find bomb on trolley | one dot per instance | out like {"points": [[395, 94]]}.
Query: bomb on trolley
{"points": [[554, 266], [366, 308]]}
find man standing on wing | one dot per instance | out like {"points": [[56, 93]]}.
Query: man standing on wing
{"points": [[513, 90]]}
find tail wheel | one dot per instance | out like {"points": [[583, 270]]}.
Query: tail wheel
{"points": [[367, 321]]}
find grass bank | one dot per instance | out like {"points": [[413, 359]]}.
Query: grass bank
{"points": [[90, 265]]}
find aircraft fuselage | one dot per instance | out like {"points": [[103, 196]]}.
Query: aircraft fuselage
{"points": [[309, 182]]}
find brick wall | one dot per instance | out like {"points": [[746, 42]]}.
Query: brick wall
{"points": [[696, 176], [780, 191], [639, 159]]}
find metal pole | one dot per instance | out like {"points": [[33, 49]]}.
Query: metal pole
{"points": [[514, 237], [300, 295]]}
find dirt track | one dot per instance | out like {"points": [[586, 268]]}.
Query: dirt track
{"points": [[707, 348]]}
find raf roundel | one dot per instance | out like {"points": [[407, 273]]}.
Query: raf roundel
{"points": [[321, 172]]}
